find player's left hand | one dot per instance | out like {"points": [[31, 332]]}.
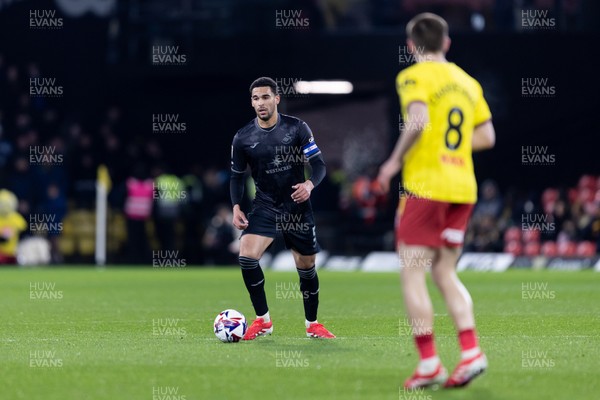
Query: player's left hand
{"points": [[302, 192]]}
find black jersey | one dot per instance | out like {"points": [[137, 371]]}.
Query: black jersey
{"points": [[277, 157]]}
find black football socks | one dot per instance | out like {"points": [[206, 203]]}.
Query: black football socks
{"points": [[309, 286], [255, 283]]}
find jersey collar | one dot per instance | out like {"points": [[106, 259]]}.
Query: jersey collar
{"points": [[271, 129]]}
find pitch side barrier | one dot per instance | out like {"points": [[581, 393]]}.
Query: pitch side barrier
{"points": [[388, 261]]}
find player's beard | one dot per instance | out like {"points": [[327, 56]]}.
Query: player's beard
{"points": [[267, 116]]}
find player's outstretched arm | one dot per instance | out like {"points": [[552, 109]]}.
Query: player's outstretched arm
{"points": [[484, 136], [417, 112]]}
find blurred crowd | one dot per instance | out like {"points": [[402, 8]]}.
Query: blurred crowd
{"points": [[239, 17], [560, 221], [49, 160], [462, 15]]}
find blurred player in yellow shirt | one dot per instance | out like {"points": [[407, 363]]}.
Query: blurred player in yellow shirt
{"points": [[445, 118], [11, 226]]}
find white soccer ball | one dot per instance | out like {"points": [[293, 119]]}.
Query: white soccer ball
{"points": [[230, 326]]}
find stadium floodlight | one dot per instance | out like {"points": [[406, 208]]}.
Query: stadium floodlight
{"points": [[323, 87]]}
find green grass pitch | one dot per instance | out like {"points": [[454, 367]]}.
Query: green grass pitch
{"points": [[124, 333]]}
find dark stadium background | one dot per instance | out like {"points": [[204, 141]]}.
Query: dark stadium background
{"points": [[104, 62]]}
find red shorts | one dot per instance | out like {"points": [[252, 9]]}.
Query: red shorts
{"points": [[6, 259], [431, 223]]}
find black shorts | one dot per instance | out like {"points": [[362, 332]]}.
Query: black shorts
{"points": [[298, 229]]}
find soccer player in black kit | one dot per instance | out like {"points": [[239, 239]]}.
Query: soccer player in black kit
{"points": [[276, 147]]}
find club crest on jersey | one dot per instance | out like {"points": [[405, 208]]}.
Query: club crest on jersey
{"points": [[287, 138], [407, 83]]}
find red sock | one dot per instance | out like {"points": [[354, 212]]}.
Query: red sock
{"points": [[467, 339], [425, 345]]}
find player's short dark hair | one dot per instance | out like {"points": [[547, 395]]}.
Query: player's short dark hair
{"points": [[262, 82], [427, 31]]}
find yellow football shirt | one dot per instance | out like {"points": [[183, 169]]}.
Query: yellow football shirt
{"points": [[439, 166], [11, 225]]}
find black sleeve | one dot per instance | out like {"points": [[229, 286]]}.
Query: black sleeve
{"points": [[312, 153], [318, 169], [236, 188], [238, 168]]}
